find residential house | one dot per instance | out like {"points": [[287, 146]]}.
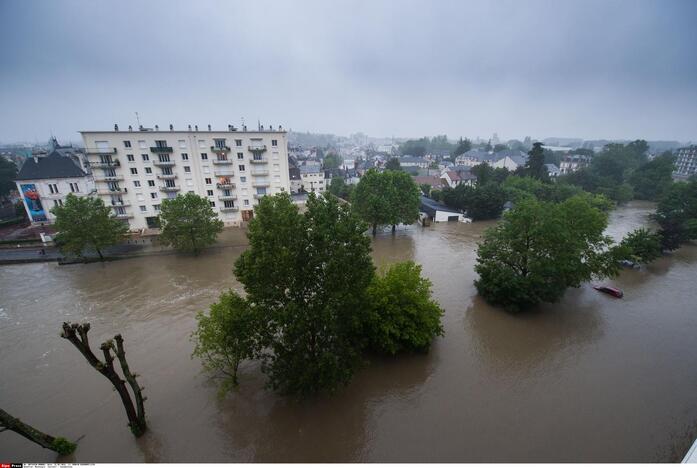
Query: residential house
{"points": [[438, 212], [312, 178], [412, 161], [509, 159], [552, 170], [574, 162]]}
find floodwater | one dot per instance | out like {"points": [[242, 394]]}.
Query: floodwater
{"points": [[591, 378]]}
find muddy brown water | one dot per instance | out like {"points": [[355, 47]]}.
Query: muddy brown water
{"points": [[591, 378]]}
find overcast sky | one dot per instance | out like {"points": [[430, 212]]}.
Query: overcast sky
{"points": [[590, 69]]}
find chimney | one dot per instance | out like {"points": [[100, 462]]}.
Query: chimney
{"points": [[189, 127], [229, 128], [171, 127], [116, 127], [157, 128], [196, 127], [140, 127], [209, 127], [130, 128]]}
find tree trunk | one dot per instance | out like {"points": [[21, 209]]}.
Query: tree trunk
{"points": [[394, 228], [375, 229], [7, 421], [101, 257], [136, 419]]}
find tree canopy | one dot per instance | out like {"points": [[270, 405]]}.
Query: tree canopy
{"points": [[676, 214], [642, 246], [535, 166], [86, 223], [481, 202], [386, 198], [463, 146], [189, 223], [8, 173], [652, 179], [393, 164], [333, 161], [542, 248]]}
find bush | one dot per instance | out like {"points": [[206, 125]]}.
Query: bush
{"points": [[403, 315]]}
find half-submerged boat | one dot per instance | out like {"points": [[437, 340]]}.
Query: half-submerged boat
{"points": [[609, 290]]}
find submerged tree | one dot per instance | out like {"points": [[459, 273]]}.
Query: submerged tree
{"points": [[189, 223], [58, 444], [77, 335]]}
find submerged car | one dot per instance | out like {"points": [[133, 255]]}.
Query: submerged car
{"points": [[609, 290]]}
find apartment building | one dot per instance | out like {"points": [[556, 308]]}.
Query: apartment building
{"points": [[686, 162], [134, 171]]}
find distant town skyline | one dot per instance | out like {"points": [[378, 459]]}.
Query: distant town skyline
{"points": [[592, 69]]}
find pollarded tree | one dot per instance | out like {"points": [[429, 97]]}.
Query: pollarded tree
{"points": [[403, 315], [540, 249], [405, 198], [60, 445], [189, 223], [226, 336], [86, 223], [306, 275], [372, 198]]}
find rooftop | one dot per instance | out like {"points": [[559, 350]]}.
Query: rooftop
{"points": [[53, 166], [431, 206]]}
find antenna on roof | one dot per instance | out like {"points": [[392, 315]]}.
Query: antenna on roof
{"points": [[138, 119]]}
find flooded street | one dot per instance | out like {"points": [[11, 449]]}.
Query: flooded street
{"points": [[591, 378]]}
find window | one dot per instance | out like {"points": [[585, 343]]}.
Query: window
{"points": [[53, 188], [140, 197], [189, 183], [182, 144], [57, 202], [212, 203], [185, 157], [246, 203], [209, 192], [241, 167], [201, 143], [127, 144], [130, 158], [141, 144], [219, 142], [74, 188], [145, 157], [134, 171], [136, 183], [143, 208], [238, 142], [187, 168], [204, 156], [161, 143], [240, 155], [261, 191], [151, 183], [274, 142], [209, 181], [229, 204], [148, 170], [156, 207], [243, 179], [153, 195]]}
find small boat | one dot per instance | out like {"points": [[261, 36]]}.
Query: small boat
{"points": [[609, 290]]}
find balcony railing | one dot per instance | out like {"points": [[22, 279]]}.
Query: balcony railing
{"points": [[260, 172], [107, 164], [159, 163], [259, 160], [170, 189], [120, 203], [227, 197], [114, 178], [229, 208], [222, 161], [108, 191], [225, 185], [161, 149], [261, 183], [166, 176], [257, 148], [260, 195], [220, 149], [91, 151]]}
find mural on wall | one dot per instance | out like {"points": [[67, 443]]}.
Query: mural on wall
{"points": [[31, 197]]}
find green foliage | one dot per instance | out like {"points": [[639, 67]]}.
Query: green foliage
{"points": [[333, 161], [422, 146], [436, 195], [393, 165], [189, 223], [676, 214], [652, 179], [463, 146], [535, 166], [642, 246], [486, 174], [500, 147], [225, 337], [481, 202], [84, 223], [306, 276], [542, 248], [63, 446], [8, 173], [389, 197], [338, 187], [425, 189], [403, 315], [406, 198]]}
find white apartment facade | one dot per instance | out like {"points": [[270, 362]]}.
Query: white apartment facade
{"points": [[686, 162], [134, 171]]}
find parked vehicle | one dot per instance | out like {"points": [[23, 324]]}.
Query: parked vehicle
{"points": [[610, 290]]}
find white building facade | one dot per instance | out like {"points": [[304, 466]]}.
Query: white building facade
{"points": [[134, 171], [686, 162]]}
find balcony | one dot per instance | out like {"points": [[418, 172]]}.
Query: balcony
{"points": [[114, 178], [257, 148], [91, 151], [105, 165], [167, 176], [227, 197], [108, 191], [260, 172], [260, 195], [222, 161], [220, 149], [161, 149], [170, 189], [259, 160], [261, 183], [225, 185], [119, 204], [163, 163], [229, 208], [223, 173], [123, 216]]}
